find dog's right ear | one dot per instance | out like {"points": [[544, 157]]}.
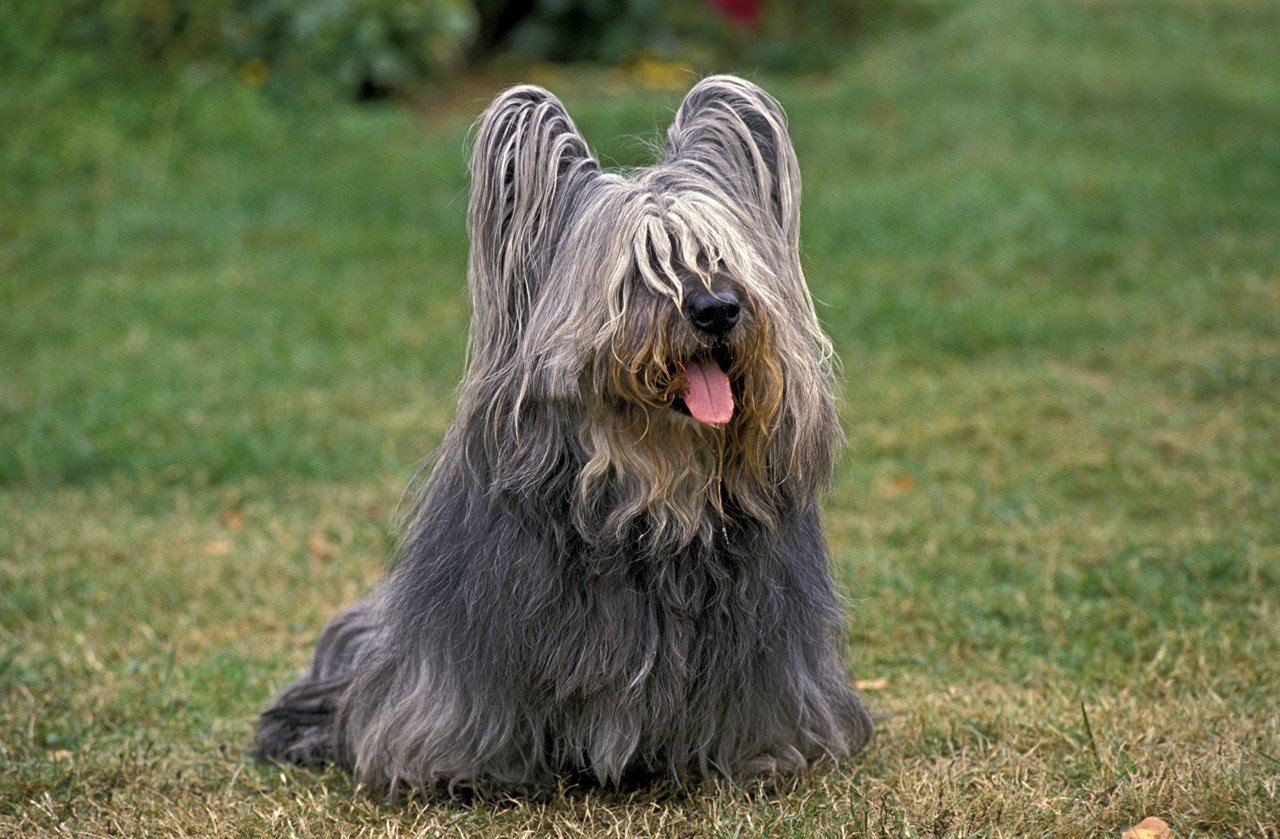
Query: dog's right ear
{"points": [[527, 163]]}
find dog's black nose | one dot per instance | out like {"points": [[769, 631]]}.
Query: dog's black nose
{"points": [[714, 314]]}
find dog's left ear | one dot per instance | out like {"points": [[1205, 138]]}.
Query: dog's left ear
{"points": [[735, 134], [528, 162]]}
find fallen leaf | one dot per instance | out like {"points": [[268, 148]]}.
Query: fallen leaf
{"points": [[232, 512], [884, 113], [320, 547], [898, 486], [873, 684], [1152, 827], [217, 547]]}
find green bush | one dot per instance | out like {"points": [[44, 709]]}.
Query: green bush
{"points": [[366, 48], [360, 48], [571, 30]]}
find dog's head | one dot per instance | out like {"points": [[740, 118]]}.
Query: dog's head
{"points": [[656, 322]]}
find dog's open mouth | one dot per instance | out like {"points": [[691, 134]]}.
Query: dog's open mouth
{"points": [[709, 398]]}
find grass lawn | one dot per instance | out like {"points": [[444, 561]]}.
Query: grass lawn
{"points": [[1046, 241]]}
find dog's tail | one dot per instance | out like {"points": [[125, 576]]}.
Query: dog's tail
{"points": [[298, 727]]}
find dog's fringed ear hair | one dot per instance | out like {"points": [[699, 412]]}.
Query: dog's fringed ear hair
{"points": [[735, 134], [527, 162]]}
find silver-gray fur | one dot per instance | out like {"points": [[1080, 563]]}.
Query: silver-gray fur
{"points": [[596, 583]]}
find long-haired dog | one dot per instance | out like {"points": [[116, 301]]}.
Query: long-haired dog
{"points": [[615, 567]]}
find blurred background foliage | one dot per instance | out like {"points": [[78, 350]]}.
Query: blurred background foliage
{"points": [[373, 49]]}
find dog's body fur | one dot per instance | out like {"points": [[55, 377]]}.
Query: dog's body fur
{"points": [[615, 570]]}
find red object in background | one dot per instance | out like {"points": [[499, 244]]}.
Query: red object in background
{"points": [[744, 13]]}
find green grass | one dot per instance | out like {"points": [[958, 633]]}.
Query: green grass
{"points": [[1046, 241]]}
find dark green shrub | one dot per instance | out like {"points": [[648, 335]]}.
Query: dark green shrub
{"points": [[365, 48], [607, 31], [362, 48]]}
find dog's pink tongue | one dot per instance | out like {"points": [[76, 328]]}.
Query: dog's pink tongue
{"points": [[710, 399]]}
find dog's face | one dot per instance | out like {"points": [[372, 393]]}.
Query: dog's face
{"points": [[673, 330], [708, 337], [665, 310]]}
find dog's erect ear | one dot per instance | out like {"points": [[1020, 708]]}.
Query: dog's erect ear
{"points": [[527, 163], [736, 134]]}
